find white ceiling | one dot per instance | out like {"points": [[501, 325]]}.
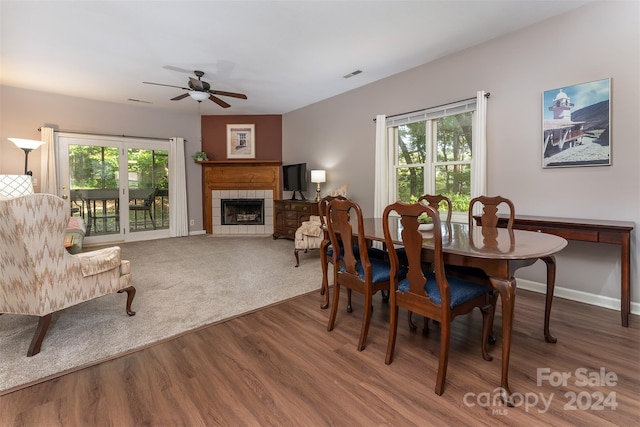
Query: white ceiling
{"points": [[283, 55]]}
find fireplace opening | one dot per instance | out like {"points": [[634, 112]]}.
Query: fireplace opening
{"points": [[242, 211]]}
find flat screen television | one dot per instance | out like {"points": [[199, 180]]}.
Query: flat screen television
{"points": [[294, 178]]}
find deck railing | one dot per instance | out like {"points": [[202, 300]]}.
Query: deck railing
{"points": [[100, 210]]}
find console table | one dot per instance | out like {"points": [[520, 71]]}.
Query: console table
{"points": [[586, 230]]}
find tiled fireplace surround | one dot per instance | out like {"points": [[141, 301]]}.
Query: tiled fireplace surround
{"points": [[239, 179], [216, 209]]}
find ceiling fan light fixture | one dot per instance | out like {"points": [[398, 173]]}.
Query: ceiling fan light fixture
{"points": [[198, 95]]}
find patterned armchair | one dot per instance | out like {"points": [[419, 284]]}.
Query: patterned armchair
{"points": [[38, 276]]}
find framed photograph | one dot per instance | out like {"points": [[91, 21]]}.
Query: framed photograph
{"points": [[241, 142], [575, 123]]}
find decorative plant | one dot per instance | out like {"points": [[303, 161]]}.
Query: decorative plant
{"points": [[200, 156], [424, 219]]}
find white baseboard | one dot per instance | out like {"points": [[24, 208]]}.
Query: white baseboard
{"points": [[579, 296], [196, 232]]}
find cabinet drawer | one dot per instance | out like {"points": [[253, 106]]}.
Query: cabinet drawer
{"points": [[291, 223], [291, 215], [298, 207]]}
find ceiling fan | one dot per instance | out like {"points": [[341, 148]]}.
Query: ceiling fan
{"points": [[201, 90]]}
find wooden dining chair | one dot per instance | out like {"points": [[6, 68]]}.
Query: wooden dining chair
{"points": [[326, 250], [431, 294], [353, 267], [490, 206], [438, 202]]}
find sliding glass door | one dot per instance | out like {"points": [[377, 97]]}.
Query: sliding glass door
{"points": [[118, 186]]}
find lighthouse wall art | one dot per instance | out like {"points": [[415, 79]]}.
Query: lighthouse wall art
{"points": [[575, 124]]}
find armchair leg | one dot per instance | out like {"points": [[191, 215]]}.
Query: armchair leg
{"points": [[295, 252], [131, 292], [38, 337]]}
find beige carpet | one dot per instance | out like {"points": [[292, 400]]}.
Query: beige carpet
{"points": [[182, 284]]}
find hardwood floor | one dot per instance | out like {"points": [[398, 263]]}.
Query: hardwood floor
{"points": [[280, 367]]}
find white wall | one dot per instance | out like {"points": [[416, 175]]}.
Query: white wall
{"points": [[24, 111], [596, 41]]}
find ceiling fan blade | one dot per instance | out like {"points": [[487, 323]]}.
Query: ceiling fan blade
{"points": [[179, 97], [160, 84], [181, 70], [231, 94], [219, 101]]}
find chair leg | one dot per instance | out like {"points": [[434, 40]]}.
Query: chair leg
{"points": [[131, 292], [349, 306], [334, 306], [487, 319], [153, 221], [366, 319], [295, 253], [393, 330], [324, 289], [38, 337], [385, 296], [445, 337], [412, 326]]}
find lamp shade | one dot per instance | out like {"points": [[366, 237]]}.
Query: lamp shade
{"points": [[28, 144], [318, 176], [198, 95]]}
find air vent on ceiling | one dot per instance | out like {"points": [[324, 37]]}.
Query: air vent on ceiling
{"points": [[353, 73]]}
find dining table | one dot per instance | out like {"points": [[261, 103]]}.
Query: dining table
{"points": [[499, 252]]}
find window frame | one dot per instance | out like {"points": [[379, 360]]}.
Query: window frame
{"points": [[429, 116]]}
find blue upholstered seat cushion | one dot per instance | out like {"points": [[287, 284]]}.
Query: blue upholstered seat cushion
{"points": [[461, 290], [380, 270], [373, 252]]}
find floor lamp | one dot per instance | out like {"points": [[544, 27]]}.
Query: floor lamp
{"points": [[27, 145]]}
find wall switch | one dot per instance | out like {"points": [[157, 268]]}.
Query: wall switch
{"points": [[192, 222]]}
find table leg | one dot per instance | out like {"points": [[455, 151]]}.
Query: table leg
{"points": [[507, 290], [551, 283], [625, 278]]}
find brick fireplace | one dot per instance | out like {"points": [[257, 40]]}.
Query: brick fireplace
{"points": [[239, 180]]}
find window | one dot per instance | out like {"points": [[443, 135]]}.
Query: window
{"points": [[435, 151]]}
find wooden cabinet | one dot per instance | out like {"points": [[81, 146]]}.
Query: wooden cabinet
{"points": [[290, 214]]}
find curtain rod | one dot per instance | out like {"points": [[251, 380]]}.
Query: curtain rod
{"points": [[105, 134], [486, 95]]}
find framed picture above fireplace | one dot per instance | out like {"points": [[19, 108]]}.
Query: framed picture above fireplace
{"points": [[241, 142]]}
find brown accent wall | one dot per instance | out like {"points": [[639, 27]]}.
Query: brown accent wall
{"points": [[268, 135]]}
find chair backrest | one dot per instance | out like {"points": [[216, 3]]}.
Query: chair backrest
{"points": [[436, 201], [32, 254], [322, 205], [15, 186], [151, 198], [490, 206], [412, 239], [340, 228], [322, 212]]}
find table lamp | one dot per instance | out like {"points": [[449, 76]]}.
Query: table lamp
{"points": [[27, 145], [318, 176]]}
